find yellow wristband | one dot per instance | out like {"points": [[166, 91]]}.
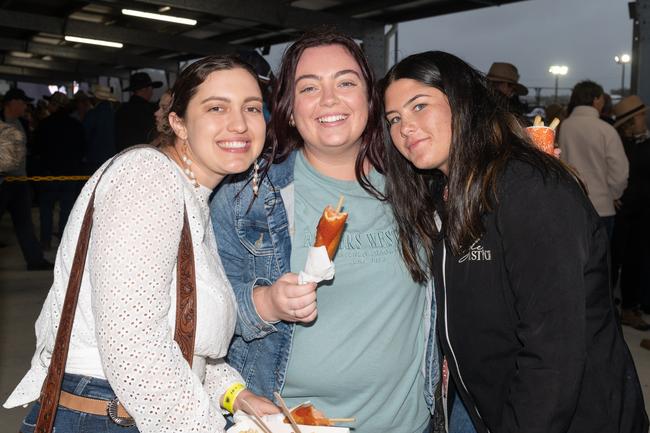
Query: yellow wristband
{"points": [[231, 394]]}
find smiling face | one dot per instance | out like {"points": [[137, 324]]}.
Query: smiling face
{"points": [[223, 126], [330, 107], [419, 119]]}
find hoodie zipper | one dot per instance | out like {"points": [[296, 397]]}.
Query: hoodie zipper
{"points": [[451, 349]]}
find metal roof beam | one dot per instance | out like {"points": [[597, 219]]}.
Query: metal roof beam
{"points": [[28, 79], [114, 57], [58, 26], [442, 8], [273, 12], [18, 73], [71, 67]]}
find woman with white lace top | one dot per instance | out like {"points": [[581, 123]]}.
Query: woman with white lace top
{"points": [[122, 342]]}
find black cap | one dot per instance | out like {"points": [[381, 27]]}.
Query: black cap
{"points": [[140, 80], [16, 93]]}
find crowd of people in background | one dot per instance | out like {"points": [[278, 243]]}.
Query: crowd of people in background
{"points": [[64, 136], [447, 194], [608, 144]]}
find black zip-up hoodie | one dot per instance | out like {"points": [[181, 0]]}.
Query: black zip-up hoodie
{"points": [[526, 318]]}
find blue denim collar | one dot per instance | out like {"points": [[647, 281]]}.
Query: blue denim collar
{"points": [[281, 175]]}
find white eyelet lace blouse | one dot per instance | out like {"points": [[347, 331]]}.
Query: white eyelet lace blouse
{"points": [[124, 323]]}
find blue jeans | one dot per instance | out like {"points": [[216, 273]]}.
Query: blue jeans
{"points": [[16, 198], [459, 420], [70, 421]]}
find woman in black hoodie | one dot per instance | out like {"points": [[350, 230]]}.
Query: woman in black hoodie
{"points": [[518, 254]]}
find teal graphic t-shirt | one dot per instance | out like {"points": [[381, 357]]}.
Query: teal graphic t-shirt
{"points": [[363, 356]]}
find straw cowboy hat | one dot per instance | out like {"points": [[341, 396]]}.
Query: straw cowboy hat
{"points": [[506, 73], [627, 108], [103, 92]]}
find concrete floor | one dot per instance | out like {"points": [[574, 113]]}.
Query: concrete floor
{"points": [[21, 296]]}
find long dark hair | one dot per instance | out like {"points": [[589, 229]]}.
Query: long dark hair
{"points": [[287, 139], [484, 138], [186, 86]]}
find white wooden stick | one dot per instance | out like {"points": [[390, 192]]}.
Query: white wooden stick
{"points": [[340, 420], [340, 204], [287, 413], [257, 419]]}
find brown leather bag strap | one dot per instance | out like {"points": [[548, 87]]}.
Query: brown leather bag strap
{"points": [[185, 293], [51, 390], [185, 310]]}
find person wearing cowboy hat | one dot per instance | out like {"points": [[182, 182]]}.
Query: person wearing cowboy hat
{"points": [[99, 129], [134, 120], [16, 197], [504, 78], [82, 104], [632, 230]]}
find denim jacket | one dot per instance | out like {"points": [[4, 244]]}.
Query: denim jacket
{"points": [[255, 248]]}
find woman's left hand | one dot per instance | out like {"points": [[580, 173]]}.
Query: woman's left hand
{"points": [[262, 405]]}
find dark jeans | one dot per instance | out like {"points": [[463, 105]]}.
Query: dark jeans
{"points": [[608, 221], [65, 192], [631, 255], [16, 198], [70, 421]]}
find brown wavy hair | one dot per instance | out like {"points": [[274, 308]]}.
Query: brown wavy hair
{"points": [[287, 139]]}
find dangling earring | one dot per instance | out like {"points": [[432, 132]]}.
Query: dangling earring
{"points": [[188, 169], [256, 178], [292, 122]]}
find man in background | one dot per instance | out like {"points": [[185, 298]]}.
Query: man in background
{"points": [[594, 149], [16, 197], [134, 120], [504, 78]]}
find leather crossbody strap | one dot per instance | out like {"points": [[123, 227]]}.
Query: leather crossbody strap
{"points": [[185, 309], [185, 293]]}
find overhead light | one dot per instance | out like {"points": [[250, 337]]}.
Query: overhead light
{"points": [[159, 17], [94, 41], [21, 54], [558, 70], [625, 58], [164, 9]]}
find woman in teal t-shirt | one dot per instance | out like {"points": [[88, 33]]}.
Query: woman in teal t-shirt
{"points": [[361, 345]]}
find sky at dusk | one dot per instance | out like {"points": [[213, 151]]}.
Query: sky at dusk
{"points": [[584, 35]]}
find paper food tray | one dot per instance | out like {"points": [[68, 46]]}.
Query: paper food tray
{"points": [[245, 424]]}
